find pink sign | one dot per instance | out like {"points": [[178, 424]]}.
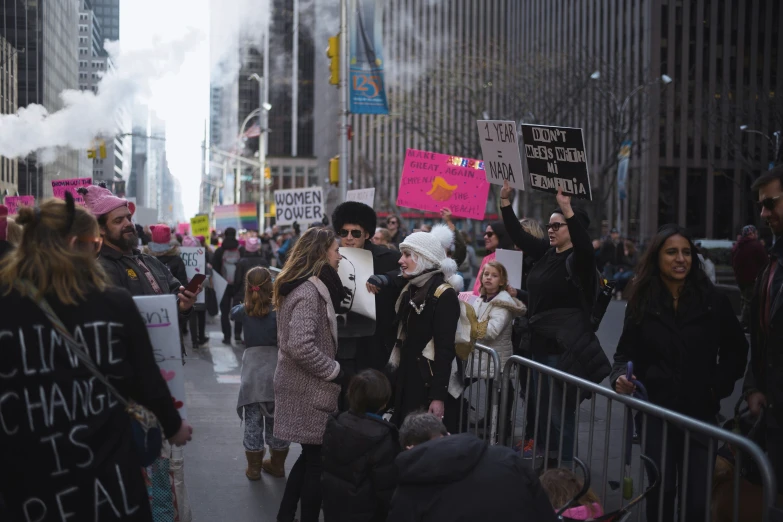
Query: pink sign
{"points": [[61, 186], [15, 202], [183, 228], [432, 181]]}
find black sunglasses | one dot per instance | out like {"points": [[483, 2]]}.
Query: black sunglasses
{"points": [[769, 203], [356, 234], [555, 226], [392, 223], [489, 234]]}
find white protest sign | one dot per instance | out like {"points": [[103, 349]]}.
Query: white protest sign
{"points": [[500, 148], [304, 206], [366, 196], [219, 285], [356, 267], [195, 259], [159, 313], [512, 261], [145, 216]]}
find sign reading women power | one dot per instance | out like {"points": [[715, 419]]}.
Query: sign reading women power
{"points": [[432, 181], [195, 260], [159, 313], [556, 159], [304, 206]]}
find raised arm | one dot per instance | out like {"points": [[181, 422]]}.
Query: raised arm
{"points": [[529, 244]]}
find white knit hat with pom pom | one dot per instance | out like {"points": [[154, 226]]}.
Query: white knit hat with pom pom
{"points": [[432, 246]]}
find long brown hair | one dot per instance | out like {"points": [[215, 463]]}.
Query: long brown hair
{"points": [[46, 257], [308, 257], [561, 485], [258, 292], [502, 272]]}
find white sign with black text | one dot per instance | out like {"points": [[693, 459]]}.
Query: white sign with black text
{"points": [[366, 196], [195, 259], [304, 206], [500, 148]]}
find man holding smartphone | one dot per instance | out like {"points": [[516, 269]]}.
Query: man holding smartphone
{"points": [[126, 266]]}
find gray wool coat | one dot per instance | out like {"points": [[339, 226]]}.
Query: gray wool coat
{"points": [[305, 395]]}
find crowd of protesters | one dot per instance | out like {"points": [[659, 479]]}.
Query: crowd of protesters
{"points": [[373, 408]]}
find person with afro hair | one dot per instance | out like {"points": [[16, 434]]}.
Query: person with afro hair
{"points": [[355, 224]]}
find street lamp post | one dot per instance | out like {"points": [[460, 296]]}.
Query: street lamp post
{"points": [[263, 124], [775, 144], [622, 129]]}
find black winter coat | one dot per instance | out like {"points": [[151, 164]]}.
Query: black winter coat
{"points": [[687, 361], [460, 478], [249, 260], [173, 262], [359, 474]]}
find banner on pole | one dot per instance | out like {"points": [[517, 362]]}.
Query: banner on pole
{"points": [[432, 181], [365, 35], [160, 314], [556, 159], [15, 202], [624, 157], [500, 148], [199, 225], [304, 206], [61, 186]]}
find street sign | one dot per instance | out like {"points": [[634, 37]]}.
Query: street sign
{"points": [[556, 158], [500, 147]]}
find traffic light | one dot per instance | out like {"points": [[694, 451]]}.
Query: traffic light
{"points": [[98, 150], [267, 173], [333, 53], [334, 170]]}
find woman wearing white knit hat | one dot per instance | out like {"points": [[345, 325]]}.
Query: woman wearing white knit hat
{"points": [[427, 316]]}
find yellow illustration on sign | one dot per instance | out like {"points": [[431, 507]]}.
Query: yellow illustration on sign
{"points": [[441, 189], [199, 225]]}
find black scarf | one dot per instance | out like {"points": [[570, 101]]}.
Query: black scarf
{"points": [[331, 279]]}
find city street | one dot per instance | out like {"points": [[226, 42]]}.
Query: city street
{"points": [[215, 460]]}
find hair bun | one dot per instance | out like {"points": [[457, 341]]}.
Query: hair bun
{"points": [[25, 216]]}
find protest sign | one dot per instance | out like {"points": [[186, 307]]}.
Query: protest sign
{"points": [[356, 267], [500, 148], [160, 314], [219, 285], [199, 226], [468, 297], [13, 203], [432, 181], [305, 206], [195, 259], [556, 159], [366, 196], [183, 228], [145, 216], [512, 261], [61, 186]]}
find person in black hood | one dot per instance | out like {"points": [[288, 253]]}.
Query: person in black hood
{"points": [[359, 475], [224, 262], [460, 478], [361, 348]]}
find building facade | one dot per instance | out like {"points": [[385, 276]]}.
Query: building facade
{"points": [[9, 167], [48, 34], [108, 12]]}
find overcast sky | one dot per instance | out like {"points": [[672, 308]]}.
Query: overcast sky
{"points": [[183, 99]]}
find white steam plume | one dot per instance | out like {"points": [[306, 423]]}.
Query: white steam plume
{"points": [[86, 115]]}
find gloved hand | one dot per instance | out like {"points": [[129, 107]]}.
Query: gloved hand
{"points": [[344, 377], [376, 282]]}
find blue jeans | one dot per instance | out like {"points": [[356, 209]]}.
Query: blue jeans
{"points": [[557, 420], [622, 278]]}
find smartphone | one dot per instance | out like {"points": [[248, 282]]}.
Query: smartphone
{"points": [[195, 283]]}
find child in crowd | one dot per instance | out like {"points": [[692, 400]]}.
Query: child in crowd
{"points": [[259, 361], [359, 448], [562, 485]]}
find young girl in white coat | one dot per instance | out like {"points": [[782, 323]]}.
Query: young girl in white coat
{"points": [[495, 311]]}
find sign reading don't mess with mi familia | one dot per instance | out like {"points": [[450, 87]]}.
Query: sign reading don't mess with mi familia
{"points": [[556, 159]]}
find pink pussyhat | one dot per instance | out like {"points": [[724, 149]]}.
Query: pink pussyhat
{"points": [[190, 241], [100, 201]]}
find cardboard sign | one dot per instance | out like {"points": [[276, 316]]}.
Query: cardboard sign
{"points": [[145, 216], [512, 261], [15, 202], [304, 206], [500, 148], [219, 284], [432, 181], [556, 159], [199, 225], [366, 196], [160, 314], [195, 259], [183, 228], [61, 186], [355, 269]]}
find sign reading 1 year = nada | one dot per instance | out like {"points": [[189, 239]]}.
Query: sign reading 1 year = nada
{"points": [[500, 148], [556, 159]]}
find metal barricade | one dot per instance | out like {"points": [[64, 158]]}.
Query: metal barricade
{"points": [[483, 421], [570, 392]]}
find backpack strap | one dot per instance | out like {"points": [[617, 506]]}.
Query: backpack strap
{"points": [[441, 288]]}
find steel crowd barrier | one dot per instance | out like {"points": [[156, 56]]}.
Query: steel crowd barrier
{"points": [[478, 411], [571, 390]]}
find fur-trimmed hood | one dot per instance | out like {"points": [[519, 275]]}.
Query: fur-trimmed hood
{"points": [[504, 300]]}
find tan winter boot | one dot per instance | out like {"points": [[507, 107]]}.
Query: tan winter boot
{"points": [[275, 465], [254, 462]]}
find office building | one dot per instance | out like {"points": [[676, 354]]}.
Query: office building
{"points": [[108, 13], [48, 34], [9, 167]]}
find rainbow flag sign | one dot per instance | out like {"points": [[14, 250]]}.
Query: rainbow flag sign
{"points": [[242, 216]]}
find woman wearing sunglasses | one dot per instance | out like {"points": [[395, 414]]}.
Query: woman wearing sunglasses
{"points": [[556, 299]]}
